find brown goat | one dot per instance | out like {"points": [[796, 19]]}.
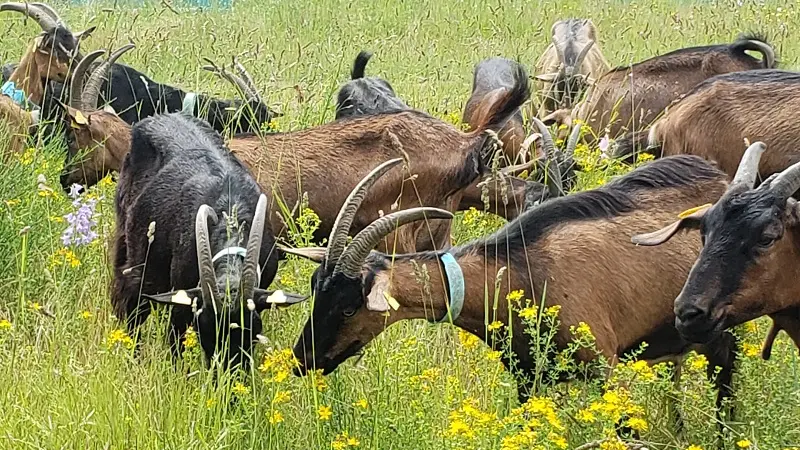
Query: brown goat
{"points": [[573, 249], [748, 265], [17, 123], [571, 63], [629, 99], [715, 118]]}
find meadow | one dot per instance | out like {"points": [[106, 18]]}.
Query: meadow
{"points": [[68, 375]]}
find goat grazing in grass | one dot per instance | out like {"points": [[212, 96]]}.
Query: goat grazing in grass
{"points": [[366, 95]]}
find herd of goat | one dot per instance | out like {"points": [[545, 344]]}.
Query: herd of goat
{"points": [[393, 176]]}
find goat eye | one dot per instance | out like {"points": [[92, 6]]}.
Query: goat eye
{"points": [[766, 241], [349, 312]]}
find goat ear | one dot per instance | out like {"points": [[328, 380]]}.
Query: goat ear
{"points": [[792, 212], [316, 254], [109, 109], [37, 43], [76, 118], [84, 34], [689, 220], [379, 296], [561, 116], [181, 297], [264, 299]]}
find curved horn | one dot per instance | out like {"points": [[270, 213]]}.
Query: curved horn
{"points": [[250, 269], [341, 226], [208, 279], [227, 76], [78, 74], [92, 92], [788, 182], [50, 12], [582, 55], [572, 142], [748, 167], [252, 90], [41, 16], [369, 237], [560, 54], [551, 161]]}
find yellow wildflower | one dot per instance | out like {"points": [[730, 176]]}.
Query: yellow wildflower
{"points": [[496, 325], [493, 355], [26, 158], [613, 444], [585, 415], [47, 193], [352, 442], [281, 397], [105, 182], [210, 403], [35, 306], [467, 339], [190, 339], [459, 428], [750, 350], [582, 331], [527, 313], [275, 418], [64, 256], [644, 157], [338, 445], [637, 424], [319, 381], [240, 389], [751, 327], [5, 324], [12, 203], [514, 296], [361, 403], [557, 440], [324, 412], [85, 315], [744, 443], [119, 337], [553, 311], [694, 447], [699, 362]]}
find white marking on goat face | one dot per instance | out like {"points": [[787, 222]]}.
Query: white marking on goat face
{"points": [[376, 300]]}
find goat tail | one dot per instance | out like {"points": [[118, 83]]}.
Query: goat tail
{"points": [[503, 104], [755, 43], [360, 64]]}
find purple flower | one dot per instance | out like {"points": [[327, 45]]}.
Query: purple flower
{"points": [[603, 144], [81, 223]]}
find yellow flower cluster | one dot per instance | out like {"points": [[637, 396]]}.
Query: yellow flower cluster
{"points": [[361, 404], [344, 440], [274, 417], [582, 331], [26, 158], [5, 325], [324, 412], [468, 340], [698, 362], [426, 378], [539, 426], [277, 365], [119, 337], [751, 350], [281, 397], [615, 404], [613, 444], [240, 389], [85, 315], [190, 339], [12, 203], [64, 257], [468, 421]]}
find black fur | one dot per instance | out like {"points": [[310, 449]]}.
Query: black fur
{"points": [[360, 65], [366, 96], [176, 164]]}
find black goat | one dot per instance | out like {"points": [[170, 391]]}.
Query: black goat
{"points": [[177, 176], [361, 96]]}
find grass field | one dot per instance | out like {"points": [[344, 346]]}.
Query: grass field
{"points": [[68, 378]]}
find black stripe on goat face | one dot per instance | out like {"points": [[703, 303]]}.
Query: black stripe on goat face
{"points": [[341, 324], [741, 235], [238, 327]]}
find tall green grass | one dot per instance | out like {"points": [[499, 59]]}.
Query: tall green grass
{"points": [[68, 378]]}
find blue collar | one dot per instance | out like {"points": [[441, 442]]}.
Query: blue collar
{"points": [[9, 89], [189, 102], [455, 281]]}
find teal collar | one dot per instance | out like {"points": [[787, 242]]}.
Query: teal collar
{"points": [[189, 102], [455, 282]]}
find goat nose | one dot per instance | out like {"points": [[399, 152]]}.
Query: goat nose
{"points": [[689, 312]]}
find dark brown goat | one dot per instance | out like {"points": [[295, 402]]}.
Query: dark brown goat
{"points": [[715, 119], [629, 99], [750, 260], [572, 62], [575, 247]]}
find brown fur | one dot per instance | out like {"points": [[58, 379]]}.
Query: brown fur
{"points": [[479, 107], [714, 122], [108, 140], [37, 65], [17, 122], [787, 320], [630, 99], [593, 67]]}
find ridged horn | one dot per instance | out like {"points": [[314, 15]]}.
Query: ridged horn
{"points": [[50, 11], [91, 94], [341, 226], [208, 279], [250, 269], [582, 55], [788, 182], [748, 167], [352, 258], [41, 16], [551, 154], [572, 142], [78, 74], [227, 76], [248, 80]]}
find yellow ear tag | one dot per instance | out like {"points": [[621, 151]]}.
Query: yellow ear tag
{"points": [[391, 300], [691, 211], [80, 119]]}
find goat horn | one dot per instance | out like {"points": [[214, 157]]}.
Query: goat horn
{"points": [[50, 12], [341, 226], [748, 167], [519, 168], [227, 76], [91, 94], [369, 237], [582, 55], [76, 84], [208, 279], [560, 54], [788, 182], [250, 269], [551, 154], [253, 91], [572, 142], [42, 17]]}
